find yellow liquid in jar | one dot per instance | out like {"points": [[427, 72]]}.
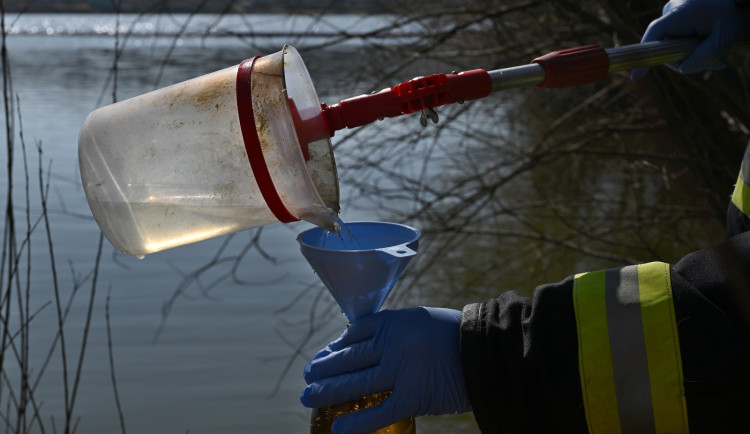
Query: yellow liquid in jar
{"points": [[322, 418]]}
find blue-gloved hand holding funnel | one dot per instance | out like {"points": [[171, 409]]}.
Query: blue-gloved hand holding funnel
{"points": [[361, 266]]}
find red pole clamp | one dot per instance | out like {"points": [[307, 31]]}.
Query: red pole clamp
{"points": [[409, 97], [573, 66]]}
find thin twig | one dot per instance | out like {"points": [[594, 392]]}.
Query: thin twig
{"points": [[120, 414]]}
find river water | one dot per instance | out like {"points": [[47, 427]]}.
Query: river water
{"points": [[210, 337]]}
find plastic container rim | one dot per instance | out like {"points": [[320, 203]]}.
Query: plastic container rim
{"points": [[417, 236]]}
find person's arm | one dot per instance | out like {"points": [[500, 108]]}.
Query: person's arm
{"points": [[521, 355]]}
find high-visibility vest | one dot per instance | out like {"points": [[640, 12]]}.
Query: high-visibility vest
{"points": [[741, 195], [629, 351]]}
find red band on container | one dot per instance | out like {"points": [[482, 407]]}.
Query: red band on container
{"points": [[252, 144]]}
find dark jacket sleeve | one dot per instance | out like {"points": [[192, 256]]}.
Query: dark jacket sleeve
{"points": [[520, 355]]}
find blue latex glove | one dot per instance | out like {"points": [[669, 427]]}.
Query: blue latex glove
{"points": [[720, 22], [413, 352]]}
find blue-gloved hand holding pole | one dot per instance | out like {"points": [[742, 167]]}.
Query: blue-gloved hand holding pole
{"points": [[413, 352], [720, 23]]}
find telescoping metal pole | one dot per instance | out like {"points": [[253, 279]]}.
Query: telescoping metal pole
{"points": [[558, 69], [591, 63]]}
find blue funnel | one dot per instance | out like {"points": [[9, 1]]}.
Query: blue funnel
{"points": [[361, 269]]}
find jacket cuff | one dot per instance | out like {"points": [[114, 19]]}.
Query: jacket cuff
{"points": [[520, 360], [475, 353]]}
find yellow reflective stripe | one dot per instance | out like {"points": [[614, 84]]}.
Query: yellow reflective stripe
{"points": [[741, 195], [662, 348], [611, 292], [595, 364]]}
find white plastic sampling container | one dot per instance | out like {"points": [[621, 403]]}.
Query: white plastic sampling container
{"points": [[235, 149]]}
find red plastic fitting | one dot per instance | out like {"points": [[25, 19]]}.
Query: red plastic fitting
{"points": [[573, 66], [408, 97]]}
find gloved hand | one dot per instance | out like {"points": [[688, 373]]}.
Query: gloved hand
{"points": [[720, 22], [413, 352]]}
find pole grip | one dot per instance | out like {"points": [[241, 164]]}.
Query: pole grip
{"points": [[573, 66]]}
